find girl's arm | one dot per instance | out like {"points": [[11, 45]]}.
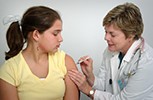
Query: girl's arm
{"points": [[7, 91], [72, 92]]}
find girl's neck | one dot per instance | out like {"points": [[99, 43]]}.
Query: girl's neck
{"points": [[34, 55]]}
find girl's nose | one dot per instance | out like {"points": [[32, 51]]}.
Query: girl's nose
{"points": [[60, 38]]}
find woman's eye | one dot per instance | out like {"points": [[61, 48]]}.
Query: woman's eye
{"points": [[112, 35]]}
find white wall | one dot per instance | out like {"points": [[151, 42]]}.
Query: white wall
{"points": [[82, 24]]}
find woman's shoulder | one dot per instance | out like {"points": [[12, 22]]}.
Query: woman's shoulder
{"points": [[148, 49], [147, 54]]}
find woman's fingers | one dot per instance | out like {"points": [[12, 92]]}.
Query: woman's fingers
{"points": [[77, 77], [80, 80]]}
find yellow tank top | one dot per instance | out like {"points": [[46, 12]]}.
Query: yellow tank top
{"points": [[16, 72]]}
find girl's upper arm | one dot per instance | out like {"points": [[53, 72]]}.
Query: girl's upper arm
{"points": [[72, 92], [7, 91]]}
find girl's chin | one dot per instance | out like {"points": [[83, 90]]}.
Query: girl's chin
{"points": [[54, 51]]}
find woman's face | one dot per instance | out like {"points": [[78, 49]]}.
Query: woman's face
{"points": [[51, 39], [116, 39]]}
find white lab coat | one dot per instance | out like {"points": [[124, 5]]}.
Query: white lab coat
{"points": [[130, 82]]}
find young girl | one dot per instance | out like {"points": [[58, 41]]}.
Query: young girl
{"points": [[38, 71]]}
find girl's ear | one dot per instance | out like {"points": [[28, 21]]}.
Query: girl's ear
{"points": [[36, 35]]}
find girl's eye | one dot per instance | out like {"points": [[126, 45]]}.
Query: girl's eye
{"points": [[55, 33]]}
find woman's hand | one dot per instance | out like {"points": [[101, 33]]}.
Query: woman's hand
{"points": [[80, 80], [86, 65], [87, 69]]}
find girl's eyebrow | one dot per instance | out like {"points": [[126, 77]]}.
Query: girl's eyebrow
{"points": [[58, 30]]}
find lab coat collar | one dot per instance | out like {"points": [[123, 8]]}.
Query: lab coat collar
{"points": [[114, 65], [132, 50]]}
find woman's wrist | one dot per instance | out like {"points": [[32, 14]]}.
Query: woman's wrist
{"points": [[91, 93], [90, 79]]}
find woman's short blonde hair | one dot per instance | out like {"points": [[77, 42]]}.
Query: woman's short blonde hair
{"points": [[126, 17]]}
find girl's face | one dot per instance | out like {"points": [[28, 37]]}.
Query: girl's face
{"points": [[50, 40], [116, 39]]}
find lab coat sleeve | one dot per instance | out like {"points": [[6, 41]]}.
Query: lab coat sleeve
{"points": [[100, 80], [100, 95]]}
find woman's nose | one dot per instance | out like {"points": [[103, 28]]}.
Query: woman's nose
{"points": [[107, 37]]}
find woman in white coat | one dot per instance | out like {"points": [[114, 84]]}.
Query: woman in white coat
{"points": [[127, 66]]}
